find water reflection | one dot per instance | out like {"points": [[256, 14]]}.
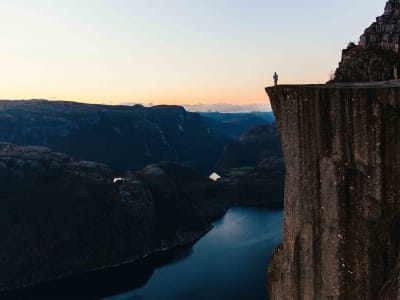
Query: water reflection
{"points": [[230, 262]]}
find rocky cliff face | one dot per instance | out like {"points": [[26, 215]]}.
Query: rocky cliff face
{"points": [[252, 168], [254, 145], [385, 32], [123, 137], [61, 217], [341, 148], [377, 56]]}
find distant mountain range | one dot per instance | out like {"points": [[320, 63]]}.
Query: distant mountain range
{"points": [[125, 137], [233, 125], [219, 107], [63, 214], [229, 108]]}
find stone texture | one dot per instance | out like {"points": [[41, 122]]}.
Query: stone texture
{"points": [[252, 168], [377, 56], [367, 64], [61, 217], [385, 32], [341, 148], [123, 137]]}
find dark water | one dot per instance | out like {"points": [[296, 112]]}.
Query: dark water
{"points": [[230, 262]]}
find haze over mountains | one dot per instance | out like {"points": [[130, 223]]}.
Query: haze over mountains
{"points": [[228, 108], [124, 137], [221, 107], [161, 206]]}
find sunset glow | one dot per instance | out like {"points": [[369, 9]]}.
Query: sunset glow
{"points": [[173, 52]]}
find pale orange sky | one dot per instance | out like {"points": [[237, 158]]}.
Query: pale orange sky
{"points": [[171, 52]]}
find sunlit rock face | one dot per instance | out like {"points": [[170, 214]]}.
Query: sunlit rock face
{"points": [[376, 57], [341, 148]]}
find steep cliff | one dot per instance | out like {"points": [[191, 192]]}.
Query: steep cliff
{"points": [[252, 168], [341, 147], [123, 137], [61, 217]]}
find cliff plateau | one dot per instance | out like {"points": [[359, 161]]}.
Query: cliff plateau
{"points": [[341, 146]]}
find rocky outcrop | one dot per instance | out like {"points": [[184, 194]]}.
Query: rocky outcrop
{"points": [[61, 217], [123, 137], [233, 125], [185, 199], [367, 64], [261, 185], [377, 56], [252, 168], [385, 32], [342, 210], [253, 146]]}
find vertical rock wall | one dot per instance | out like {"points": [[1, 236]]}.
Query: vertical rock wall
{"points": [[342, 196]]}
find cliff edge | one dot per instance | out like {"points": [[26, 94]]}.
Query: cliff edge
{"points": [[341, 146]]}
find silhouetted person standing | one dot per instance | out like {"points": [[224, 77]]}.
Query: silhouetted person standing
{"points": [[276, 78]]}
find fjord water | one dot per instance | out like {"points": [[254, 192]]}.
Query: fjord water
{"points": [[230, 262]]}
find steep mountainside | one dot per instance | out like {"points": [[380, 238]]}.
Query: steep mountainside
{"points": [[123, 137], [253, 169], [377, 56], [342, 208], [256, 144], [61, 217], [342, 155], [233, 125]]}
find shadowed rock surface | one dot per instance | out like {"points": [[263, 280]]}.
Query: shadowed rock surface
{"points": [[260, 185], [61, 217], [342, 210], [341, 146], [367, 64], [253, 146], [376, 57], [233, 125], [385, 32], [252, 168], [123, 137]]}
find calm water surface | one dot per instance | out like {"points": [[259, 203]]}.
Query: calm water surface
{"points": [[229, 263]]}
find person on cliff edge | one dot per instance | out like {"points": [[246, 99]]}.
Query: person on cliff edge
{"points": [[276, 78]]}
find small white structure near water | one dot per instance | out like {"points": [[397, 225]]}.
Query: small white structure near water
{"points": [[215, 177], [118, 180]]}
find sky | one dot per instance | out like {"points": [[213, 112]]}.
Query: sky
{"points": [[171, 51]]}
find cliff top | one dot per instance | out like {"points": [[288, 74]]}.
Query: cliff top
{"points": [[374, 84]]}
